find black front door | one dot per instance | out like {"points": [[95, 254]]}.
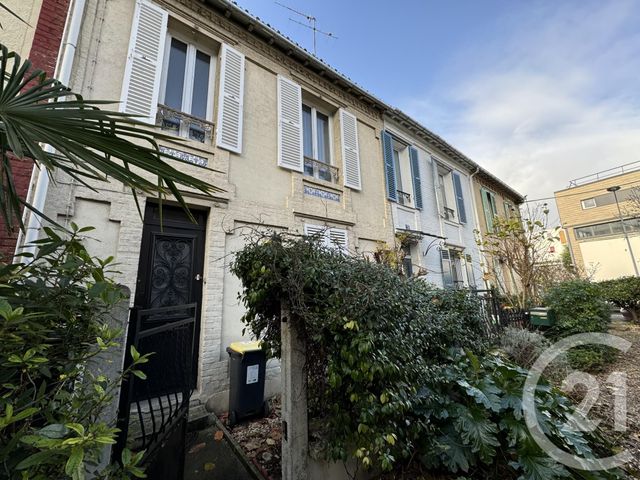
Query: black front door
{"points": [[171, 264]]}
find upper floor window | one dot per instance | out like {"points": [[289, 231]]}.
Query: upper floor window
{"points": [[316, 139], [449, 193], [169, 79], [402, 171], [588, 203], [631, 225], [186, 97], [490, 207]]}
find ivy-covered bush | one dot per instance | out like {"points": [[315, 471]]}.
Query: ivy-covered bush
{"points": [[623, 293], [385, 382], [53, 326]]}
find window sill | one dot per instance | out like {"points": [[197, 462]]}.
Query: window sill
{"points": [[178, 142], [321, 183]]}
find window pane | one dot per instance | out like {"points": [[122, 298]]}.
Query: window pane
{"points": [[616, 227], [322, 131], [307, 135], [584, 232], [200, 98], [602, 229], [396, 161], [175, 74]]}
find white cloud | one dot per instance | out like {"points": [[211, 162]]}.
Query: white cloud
{"points": [[554, 98]]}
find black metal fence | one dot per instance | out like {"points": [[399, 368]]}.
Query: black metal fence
{"points": [[153, 412], [498, 316]]}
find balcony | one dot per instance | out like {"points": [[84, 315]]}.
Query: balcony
{"points": [[320, 170], [184, 125]]}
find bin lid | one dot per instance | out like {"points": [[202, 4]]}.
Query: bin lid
{"points": [[244, 347]]}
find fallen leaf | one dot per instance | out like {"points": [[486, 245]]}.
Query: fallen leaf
{"points": [[271, 441], [218, 435], [197, 447], [209, 466]]}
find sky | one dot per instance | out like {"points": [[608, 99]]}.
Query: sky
{"points": [[537, 92]]}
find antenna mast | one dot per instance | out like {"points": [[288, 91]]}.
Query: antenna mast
{"points": [[312, 25]]}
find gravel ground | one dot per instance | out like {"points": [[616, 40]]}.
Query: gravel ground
{"points": [[629, 364]]}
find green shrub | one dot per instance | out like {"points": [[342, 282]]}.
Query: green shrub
{"points": [[474, 412], [579, 308], [382, 380], [523, 347], [52, 327], [623, 293]]}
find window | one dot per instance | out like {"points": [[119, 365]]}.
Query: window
{"points": [[451, 268], [407, 262], [186, 96], [632, 225], [446, 194], [509, 210], [316, 144], [331, 237], [588, 203], [490, 207], [471, 278]]}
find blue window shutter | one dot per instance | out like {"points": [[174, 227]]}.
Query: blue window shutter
{"points": [[457, 187], [415, 173], [390, 173]]}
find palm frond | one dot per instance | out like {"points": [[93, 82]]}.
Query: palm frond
{"points": [[85, 141]]}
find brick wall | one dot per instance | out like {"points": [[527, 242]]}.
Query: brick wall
{"points": [[44, 55]]}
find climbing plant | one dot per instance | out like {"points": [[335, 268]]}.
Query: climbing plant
{"points": [[398, 370]]}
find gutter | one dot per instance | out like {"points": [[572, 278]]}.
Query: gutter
{"points": [[40, 176]]}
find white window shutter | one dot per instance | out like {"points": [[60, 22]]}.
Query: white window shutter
{"points": [[338, 239], [230, 101], [350, 149], [144, 63], [289, 125]]}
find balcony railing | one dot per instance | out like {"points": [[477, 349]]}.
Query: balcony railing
{"points": [[404, 198], [184, 125], [320, 170]]}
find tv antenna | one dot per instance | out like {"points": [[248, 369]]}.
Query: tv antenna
{"points": [[311, 26]]}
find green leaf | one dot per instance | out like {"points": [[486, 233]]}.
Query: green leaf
{"points": [[55, 430], [37, 458], [75, 466]]}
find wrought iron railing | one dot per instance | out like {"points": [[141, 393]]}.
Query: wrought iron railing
{"points": [[320, 170], [404, 198], [152, 409], [184, 125]]}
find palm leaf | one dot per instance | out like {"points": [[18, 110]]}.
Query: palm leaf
{"points": [[43, 120]]}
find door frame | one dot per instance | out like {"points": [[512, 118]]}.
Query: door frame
{"points": [[174, 220]]}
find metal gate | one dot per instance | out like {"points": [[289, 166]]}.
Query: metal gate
{"points": [[153, 412]]}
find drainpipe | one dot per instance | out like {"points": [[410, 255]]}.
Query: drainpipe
{"points": [[477, 218], [41, 176]]}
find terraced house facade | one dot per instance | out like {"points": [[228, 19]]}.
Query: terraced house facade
{"points": [[295, 146]]}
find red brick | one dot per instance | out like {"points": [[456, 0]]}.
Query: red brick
{"points": [[43, 55]]}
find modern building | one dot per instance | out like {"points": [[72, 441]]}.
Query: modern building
{"points": [[295, 145], [600, 217]]}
